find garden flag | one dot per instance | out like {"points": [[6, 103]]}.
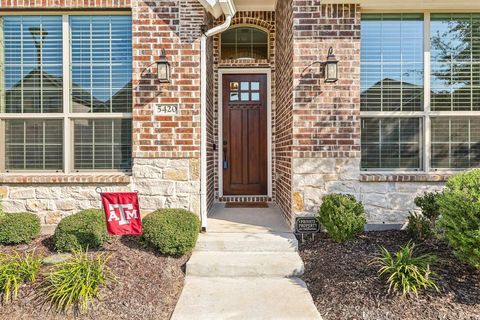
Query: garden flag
{"points": [[122, 212]]}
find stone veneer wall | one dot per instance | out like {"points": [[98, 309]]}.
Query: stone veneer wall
{"points": [[165, 148], [284, 106], [326, 120]]}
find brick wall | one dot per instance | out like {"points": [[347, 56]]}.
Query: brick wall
{"points": [[63, 4], [284, 105]]}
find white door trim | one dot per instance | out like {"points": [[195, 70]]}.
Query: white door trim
{"points": [[221, 72]]}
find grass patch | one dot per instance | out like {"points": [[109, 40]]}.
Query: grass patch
{"points": [[15, 270], [76, 282]]}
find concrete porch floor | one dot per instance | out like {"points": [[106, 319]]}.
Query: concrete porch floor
{"points": [[246, 266], [246, 220]]}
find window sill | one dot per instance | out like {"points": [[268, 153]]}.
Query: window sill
{"points": [[59, 178], [404, 177]]}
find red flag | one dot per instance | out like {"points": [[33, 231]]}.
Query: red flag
{"points": [[122, 212]]}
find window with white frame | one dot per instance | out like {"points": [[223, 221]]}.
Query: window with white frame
{"points": [[420, 91], [66, 93]]}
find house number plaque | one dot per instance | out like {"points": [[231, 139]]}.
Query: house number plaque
{"points": [[165, 110]]}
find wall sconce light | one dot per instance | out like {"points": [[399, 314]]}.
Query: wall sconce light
{"points": [[163, 68], [331, 67]]}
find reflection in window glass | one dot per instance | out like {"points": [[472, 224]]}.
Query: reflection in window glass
{"points": [[392, 62], [33, 144], [244, 43], [101, 63], [255, 96], [455, 62], [244, 96], [233, 96], [32, 64], [391, 143], [102, 144], [455, 143]]}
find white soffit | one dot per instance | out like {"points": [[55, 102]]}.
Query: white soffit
{"points": [[411, 5], [255, 5]]}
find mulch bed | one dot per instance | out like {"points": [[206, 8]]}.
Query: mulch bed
{"points": [[148, 284], [345, 286]]}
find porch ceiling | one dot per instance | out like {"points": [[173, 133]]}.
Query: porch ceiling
{"points": [[255, 5]]}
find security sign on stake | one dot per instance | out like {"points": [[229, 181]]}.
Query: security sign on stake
{"points": [[122, 212]]}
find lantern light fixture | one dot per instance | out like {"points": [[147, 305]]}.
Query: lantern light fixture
{"points": [[163, 68], [331, 67]]}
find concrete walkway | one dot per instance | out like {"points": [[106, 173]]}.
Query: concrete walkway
{"points": [[245, 267]]}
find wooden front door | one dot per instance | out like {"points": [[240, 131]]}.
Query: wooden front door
{"points": [[244, 134]]}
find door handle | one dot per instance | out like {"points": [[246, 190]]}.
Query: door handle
{"points": [[225, 160]]}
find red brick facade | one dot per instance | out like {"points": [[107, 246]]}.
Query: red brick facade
{"points": [[326, 115], [284, 105]]}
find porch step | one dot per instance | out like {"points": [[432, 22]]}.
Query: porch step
{"points": [[245, 264], [247, 242], [245, 298]]}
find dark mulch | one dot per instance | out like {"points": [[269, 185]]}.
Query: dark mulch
{"points": [[345, 286], [148, 284]]}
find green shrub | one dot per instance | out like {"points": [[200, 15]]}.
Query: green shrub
{"points": [[81, 231], [19, 227], [459, 221], [342, 216], [406, 273], [419, 227], [429, 206], [76, 282], [171, 231], [16, 270]]}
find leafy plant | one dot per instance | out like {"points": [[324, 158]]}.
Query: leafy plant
{"points": [[171, 231], [342, 216], [15, 270], [459, 221], [429, 206], [419, 227], [405, 272], [82, 230], [76, 282], [19, 227]]}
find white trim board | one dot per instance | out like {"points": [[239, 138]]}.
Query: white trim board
{"points": [[221, 72]]}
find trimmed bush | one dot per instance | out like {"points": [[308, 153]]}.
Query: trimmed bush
{"points": [[429, 206], [342, 216], [84, 230], [171, 231], [419, 227], [406, 273], [19, 227], [76, 282], [459, 221]]}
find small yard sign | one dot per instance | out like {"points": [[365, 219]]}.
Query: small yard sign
{"points": [[307, 225], [165, 110]]}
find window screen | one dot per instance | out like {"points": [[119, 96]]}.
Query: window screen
{"points": [[244, 43], [33, 144], [391, 143], [101, 63], [32, 64], [392, 62], [455, 62], [102, 144], [455, 142]]}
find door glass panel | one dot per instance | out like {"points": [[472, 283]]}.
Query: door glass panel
{"points": [[255, 96], [244, 86], [255, 85], [244, 96], [233, 96]]}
